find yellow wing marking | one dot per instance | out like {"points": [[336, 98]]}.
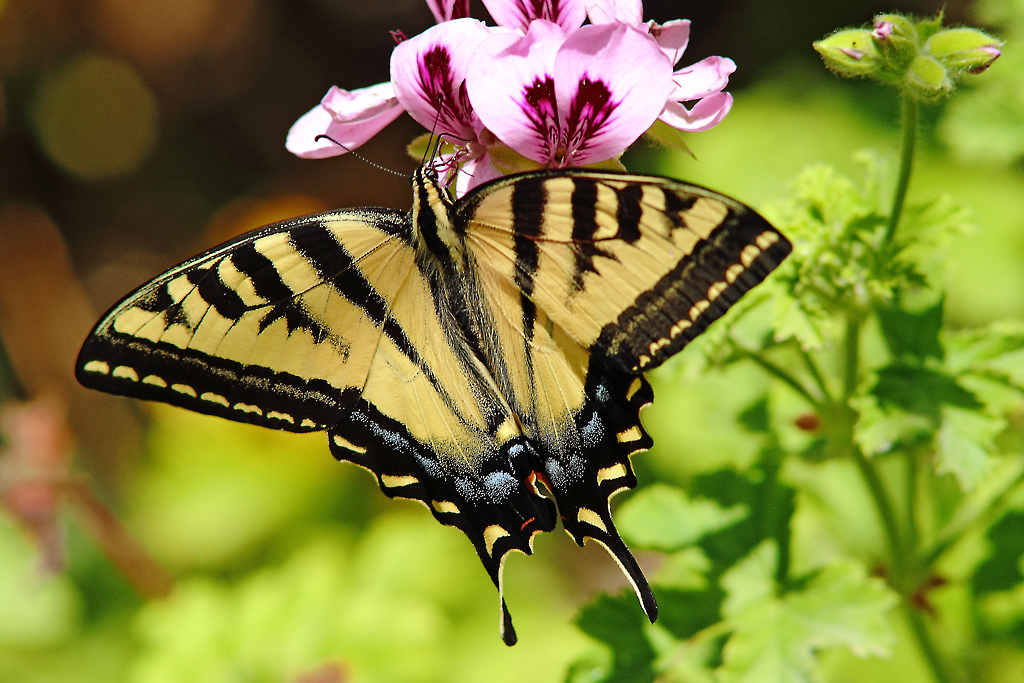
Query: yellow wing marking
{"points": [[393, 482], [155, 381], [125, 372], [444, 506], [613, 472], [627, 435], [348, 445], [492, 534], [184, 389], [592, 518], [97, 366]]}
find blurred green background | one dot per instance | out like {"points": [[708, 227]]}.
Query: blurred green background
{"points": [[135, 133]]}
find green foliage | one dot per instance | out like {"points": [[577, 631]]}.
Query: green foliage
{"points": [[763, 575]]}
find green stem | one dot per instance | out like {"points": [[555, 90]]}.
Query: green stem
{"points": [[812, 367], [781, 374], [909, 125], [887, 515], [912, 477], [928, 647]]}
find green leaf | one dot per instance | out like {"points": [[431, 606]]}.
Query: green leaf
{"points": [[921, 391], [1002, 570], [618, 622], [665, 135], [775, 637], [912, 335], [663, 517], [965, 445], [684, 613], [879, 430], [773, 501]]}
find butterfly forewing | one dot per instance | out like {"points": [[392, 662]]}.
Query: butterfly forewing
{"points": [[277, 328], [632, 267]]}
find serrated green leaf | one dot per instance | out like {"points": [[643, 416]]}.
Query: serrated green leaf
{"points": [[774, 501], [663, 517], [756, 418], [921, 391], [965, 445], [912, 335], [775, 638], [878, 431], [618, 622], [751, 580]]}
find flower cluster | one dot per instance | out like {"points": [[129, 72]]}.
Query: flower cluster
{"points": [[920, 57], [539, 90]]}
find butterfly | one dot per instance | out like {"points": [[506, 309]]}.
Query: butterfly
{"points": [[484, 356]]}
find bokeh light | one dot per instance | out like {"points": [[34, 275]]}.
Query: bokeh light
{"points": [[95, 117]]}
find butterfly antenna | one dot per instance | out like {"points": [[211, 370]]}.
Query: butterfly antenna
{"points": [[358, 155], [430, 141]]}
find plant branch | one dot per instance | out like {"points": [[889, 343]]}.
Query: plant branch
{"points": [[777, 372], [909, 127], [928, 647]]}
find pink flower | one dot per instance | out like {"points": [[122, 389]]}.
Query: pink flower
{"points": [[350, 118], [569, 101], [702, 82], [428, 74], [518, 14]]}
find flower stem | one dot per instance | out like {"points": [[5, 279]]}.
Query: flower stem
{"points": [[928, 647], [776, 371], [909, 126]]}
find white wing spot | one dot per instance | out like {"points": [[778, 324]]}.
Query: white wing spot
{"points": [[699, 308], [97, 366], [716, 289], [246, 408], [749, 253], [184, 389], [215, 398], [125, 372], [766, 239], [733, 273]]}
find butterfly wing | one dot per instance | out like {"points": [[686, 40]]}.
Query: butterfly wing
{"points": [[632, 267], [587, 279], [327, 322], [277, 327]]}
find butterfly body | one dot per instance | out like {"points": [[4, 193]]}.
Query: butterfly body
{"points": [[465, 352]]}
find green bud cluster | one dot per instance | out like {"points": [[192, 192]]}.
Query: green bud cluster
{"points": [[920, 57]]}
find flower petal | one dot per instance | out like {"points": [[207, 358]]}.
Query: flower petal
{"points": [[446, 10], [349, 118], [611, 82], [518, 14], [704, 78], [629, 12], [429, 73], [706, 114], [475, 172], [672, 37], [511, 85]]}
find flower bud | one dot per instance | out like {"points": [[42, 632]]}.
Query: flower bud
{"points": [[851, 53], [927, 78], [917, 55], [964, 48]]}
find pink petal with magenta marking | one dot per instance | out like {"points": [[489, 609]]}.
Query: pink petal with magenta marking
{"points": [[429, 73], [446, 10], [611, 82], [511, 86], [519, 14]]}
